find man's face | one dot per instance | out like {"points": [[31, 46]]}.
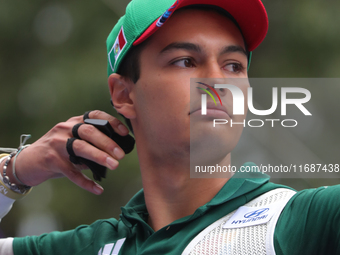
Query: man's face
{"points": [[192, 44]]}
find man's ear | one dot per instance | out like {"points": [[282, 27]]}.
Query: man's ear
{"points": [[120, 89]]}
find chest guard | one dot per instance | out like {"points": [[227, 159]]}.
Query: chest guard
{"points": [[249, 230]]}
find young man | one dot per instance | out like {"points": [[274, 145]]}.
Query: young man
{"points": [[175, 214]]}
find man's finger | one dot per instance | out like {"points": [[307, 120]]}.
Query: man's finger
{"points": [[101, 141], [84, 182], [118, 126], [87, 151]]}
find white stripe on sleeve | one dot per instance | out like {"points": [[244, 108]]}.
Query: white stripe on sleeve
{"points": [[6, 246]]}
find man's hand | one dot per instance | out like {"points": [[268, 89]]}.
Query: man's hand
{"points": [[48, 158]]}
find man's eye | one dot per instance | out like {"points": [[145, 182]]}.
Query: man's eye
{"points": [[234, 67], [185, 63]]}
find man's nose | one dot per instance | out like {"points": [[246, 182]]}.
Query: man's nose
{"points": [[209, 84], [212, 69], [213, 74]]}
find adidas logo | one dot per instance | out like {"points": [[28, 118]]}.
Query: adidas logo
{"points": [[112, 248]]}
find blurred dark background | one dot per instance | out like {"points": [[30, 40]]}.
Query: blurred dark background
{"points": [[53, 66]]}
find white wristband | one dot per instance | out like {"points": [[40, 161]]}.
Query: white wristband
{"points": [[5, 202]]}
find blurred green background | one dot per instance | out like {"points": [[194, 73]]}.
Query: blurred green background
{"points": [[53, 66]]}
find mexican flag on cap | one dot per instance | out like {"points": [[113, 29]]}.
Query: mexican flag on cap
{"points": [[145, 17]]}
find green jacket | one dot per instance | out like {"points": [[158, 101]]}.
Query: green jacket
{"points": [[309, 224]]}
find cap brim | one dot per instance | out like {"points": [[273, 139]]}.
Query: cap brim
{"points": [[251, 16]]}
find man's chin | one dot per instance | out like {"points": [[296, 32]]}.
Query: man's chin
{"points": [[209, 149]]}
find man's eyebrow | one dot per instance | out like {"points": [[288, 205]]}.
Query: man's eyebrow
{"points": [[183, 46], [197, 48], [233, 48]]}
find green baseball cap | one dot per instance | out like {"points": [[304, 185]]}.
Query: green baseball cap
{"points": [[145, 17]]}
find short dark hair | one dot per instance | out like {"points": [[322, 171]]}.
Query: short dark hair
{"points": [[130, 65], [130, 68]]}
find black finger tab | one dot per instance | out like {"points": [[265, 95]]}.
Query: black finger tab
{"points": [[73, 157], [75, 160], [98, 170], [127, 143], [86, 115], [75, 130]]}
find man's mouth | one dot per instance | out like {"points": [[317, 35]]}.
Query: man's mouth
{"points": [[212, 110]]}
